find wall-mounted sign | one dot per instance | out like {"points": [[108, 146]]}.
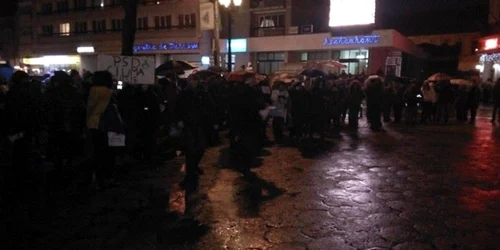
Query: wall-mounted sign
{"points": [[85, 49], [237, 45], [491, 44], [349, 40], [129, 69], [166, 46]]}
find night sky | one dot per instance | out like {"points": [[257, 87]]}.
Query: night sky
{"points": [[7, 7], [420, 17]]}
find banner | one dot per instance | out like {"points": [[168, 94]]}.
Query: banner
{"points": [[129, 69], [207, 16]]}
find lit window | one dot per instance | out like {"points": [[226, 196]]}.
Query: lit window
{"points": [[267, 23], [64, 29]]}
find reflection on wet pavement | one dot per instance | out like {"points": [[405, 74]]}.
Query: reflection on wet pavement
{"points": [[424, 187]]}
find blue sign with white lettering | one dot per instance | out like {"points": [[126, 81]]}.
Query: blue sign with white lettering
{"points": [[166, 46], [350, 40]]}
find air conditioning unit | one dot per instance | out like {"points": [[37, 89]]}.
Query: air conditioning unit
{"points": [[305, 29], [293, 30]]}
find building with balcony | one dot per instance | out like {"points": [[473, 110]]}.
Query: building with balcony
{"points": [[66, 34], [465, 42], [271, 34], [8, 40], [488, 47]]}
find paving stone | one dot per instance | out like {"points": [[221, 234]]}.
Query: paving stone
{"points": [[288, 246], [389, 196], [413, 246], [424, 187], [395, 233], [286, 235], [334, 242]]}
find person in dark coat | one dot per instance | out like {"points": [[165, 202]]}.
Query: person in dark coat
{"points": [[245, 122], [444, 93], [264, 90], [354, 99], [374, 101], [496, 101], [398, 104], [128, 98], [19, 124], [149, 116], [388, 101], [103, 118], [66, 112], [318, 109], [473, 101], [461, 103], [411, 104], [195, 111], [299, 108]]}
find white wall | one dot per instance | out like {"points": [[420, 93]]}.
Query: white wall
{"points": [[88, 63]]}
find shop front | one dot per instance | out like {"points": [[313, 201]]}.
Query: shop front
{"points": [[46, 64], [383, 49], [489, 60], [83, 56]]}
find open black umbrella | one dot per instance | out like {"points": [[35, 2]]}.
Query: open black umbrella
{"points": [[312, 73], [205, 74], [6, 72], [217, 69], [172, 66]]}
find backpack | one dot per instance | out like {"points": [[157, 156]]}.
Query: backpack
{"points": [[111, 120]]}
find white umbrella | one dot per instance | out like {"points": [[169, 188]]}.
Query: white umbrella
{"points": [[461, 82]]}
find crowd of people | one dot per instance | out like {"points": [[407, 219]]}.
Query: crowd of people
{"points": [[70, 110]]}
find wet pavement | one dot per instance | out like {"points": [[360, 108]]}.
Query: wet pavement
{"points": [[422, 187]]}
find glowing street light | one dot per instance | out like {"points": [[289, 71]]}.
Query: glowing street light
{"points": [[231, 5]]}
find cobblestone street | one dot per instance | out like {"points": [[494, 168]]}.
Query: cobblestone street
{"points": [[423, 187], [426, 187]]}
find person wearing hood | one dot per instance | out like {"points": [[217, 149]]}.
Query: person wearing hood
{"points": [[66, 119], [280, 98], [99, 124], [496, 101], [195, 111], [429, 100], [354, 98], [473, 101], [374, 100], [19, 124]]}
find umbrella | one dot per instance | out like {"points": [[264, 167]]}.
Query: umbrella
{"points": [[239, 75], [461, 82], [326, 63], [177, 67], [205, 74], [286, 78], [6, 72], [217, 69], [439, 77], [312, 73]]}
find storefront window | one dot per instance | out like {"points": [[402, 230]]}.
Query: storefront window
{"points": [[314, 56], [355, 60], [270, 62], [335, 55]]}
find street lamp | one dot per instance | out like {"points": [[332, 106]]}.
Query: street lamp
{"points": [[230, 5]]}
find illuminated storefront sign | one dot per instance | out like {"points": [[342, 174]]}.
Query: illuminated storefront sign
{"points": [[237, 45], [349, 40], [85, 49], [52, 60], [491, 44], [166, 46], [351, 12]]}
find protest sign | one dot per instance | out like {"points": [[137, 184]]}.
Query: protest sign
{"points": [[129, 69]]}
